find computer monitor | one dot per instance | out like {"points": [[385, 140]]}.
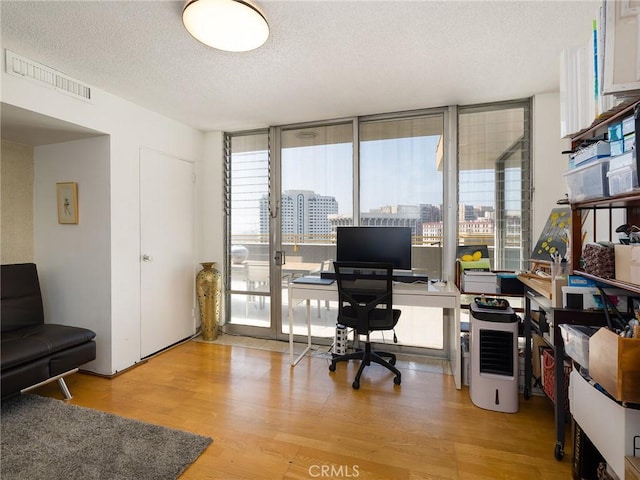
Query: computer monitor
{"points": [[375, 244]]}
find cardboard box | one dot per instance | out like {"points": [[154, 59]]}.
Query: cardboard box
{"points": [[615, 132], [627, 259], [632, 468], [595, 150], [536, 355], [479, 282], [614, 362]]}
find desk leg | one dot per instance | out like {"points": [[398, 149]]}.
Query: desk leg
{"points": [[527, 348], [308, 347], [559, 386], [455, 359], [291, 332], [308, 325]]}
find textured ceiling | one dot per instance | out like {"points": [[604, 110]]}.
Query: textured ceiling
{"points": [[323, 60]]}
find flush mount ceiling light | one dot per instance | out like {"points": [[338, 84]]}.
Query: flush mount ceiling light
{"points": [[231, 25]]}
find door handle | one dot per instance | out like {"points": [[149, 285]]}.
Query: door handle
{"points": [[147, 258]]}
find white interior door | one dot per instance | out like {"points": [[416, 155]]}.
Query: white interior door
{"points": [[167, 253]]}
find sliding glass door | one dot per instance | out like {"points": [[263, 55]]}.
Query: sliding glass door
{"points": [[316, 194]]}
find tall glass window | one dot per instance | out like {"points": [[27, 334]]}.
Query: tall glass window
{"points": [[247, 239], [402, 184], [494, 182]]}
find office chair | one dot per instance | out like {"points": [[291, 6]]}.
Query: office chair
{"points": [[365, 303]]}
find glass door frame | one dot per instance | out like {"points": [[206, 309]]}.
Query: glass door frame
{"points": [[275, 233], [228, 326]]}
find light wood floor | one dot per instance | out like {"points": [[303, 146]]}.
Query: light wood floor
{"points": [[271, 421]]}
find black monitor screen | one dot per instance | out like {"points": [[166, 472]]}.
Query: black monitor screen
{"points": [[375, 244]]}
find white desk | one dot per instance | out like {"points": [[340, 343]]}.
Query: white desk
{"points": [[416, 295]]}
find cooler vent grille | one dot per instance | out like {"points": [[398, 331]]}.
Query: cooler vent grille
{"points": [[496, 352]]}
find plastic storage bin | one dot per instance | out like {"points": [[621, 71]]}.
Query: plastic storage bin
{"points": [[622, 180], [619, 161], [576, 342], [622, 174], [595, 150], [588, 181]]}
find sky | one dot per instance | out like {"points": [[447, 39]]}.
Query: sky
{"points": [[393, 172]]}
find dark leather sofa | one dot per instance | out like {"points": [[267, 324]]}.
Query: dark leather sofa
{"points": [[33, 352]]}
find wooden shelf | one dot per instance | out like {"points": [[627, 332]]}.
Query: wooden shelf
{"points": [[540, 284], [629, 201], [605, 119], [632, 287]]}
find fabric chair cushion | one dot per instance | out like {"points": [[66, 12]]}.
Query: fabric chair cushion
{"points": [[378, 319]]}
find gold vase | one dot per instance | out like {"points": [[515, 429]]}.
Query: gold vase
{"points": [[209, 291]]}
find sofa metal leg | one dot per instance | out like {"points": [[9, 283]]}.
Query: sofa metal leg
{"points": [[65, 390], [61, 383]]}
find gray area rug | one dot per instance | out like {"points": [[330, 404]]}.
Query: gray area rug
{"points": [[44, 438]]}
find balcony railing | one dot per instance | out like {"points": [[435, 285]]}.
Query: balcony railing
{"points": [[513, 240]]}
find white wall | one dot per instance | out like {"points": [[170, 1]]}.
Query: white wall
{"points": [[130, 128], [74, 261], [548, 161]]}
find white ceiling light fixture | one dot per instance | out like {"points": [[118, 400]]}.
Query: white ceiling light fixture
{"points": [[230, 25]]}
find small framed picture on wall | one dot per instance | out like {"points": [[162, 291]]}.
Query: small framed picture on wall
{"points": [[67, 199]]}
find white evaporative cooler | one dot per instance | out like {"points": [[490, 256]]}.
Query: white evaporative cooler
{"points": [[493, 384]]}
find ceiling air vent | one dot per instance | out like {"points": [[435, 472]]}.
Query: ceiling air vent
{"points": [[23, 67]]}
